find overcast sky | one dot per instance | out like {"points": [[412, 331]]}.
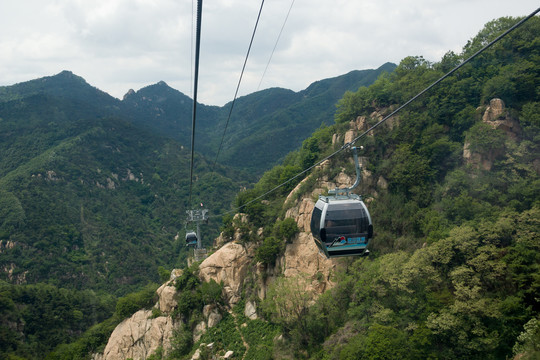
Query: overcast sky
{"points": [[117, 45]]}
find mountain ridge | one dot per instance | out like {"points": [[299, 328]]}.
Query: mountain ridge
{"points": [[167, 111]]}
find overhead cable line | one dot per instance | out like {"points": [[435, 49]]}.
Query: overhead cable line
{"points": [[191, 48], [275, 45], [238, 86], [349, 144], [195, 88]]}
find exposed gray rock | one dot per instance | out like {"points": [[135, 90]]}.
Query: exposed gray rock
{"points": [[139, 336], [250, 311]]}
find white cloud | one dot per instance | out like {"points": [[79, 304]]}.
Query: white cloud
{"points": [[121, 44]]}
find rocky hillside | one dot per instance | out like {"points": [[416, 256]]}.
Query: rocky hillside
{"points": [[93, 190], [234, 266]]}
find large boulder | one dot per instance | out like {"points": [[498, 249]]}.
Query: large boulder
{"points": [[142, 334], [302, 257], [230, 265], [498, 117], [166, 298], [139, 337]]}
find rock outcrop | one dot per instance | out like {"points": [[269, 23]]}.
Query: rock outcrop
{"points": [[302, 256], [498, 117], [230, 265], [250, 310], [142, 334], [477, 160], [139, 336], [166, 298]]}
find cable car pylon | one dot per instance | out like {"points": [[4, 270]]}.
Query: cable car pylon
{"points": [[193, 238]]}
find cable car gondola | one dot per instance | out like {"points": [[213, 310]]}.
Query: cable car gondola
{"points": [[341, 224], [191, 238]]}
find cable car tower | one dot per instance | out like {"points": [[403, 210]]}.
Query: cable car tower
{"points": [[193, 239]]}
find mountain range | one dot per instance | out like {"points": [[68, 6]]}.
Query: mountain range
{"points": [[285, 116]]}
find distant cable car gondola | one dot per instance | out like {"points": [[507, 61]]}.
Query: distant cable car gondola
{"points": [[191, 238], [340, 223]]}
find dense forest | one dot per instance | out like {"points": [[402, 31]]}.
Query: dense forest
{"points": [[114, 199], [454, 270]]}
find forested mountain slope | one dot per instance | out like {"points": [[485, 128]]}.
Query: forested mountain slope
{"points": [[90, 209], [287, 120], [112, 178], [453, 186], [278, 114], [285, 116], [99, 206]]}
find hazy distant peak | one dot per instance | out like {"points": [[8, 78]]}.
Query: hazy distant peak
{"points": [[128, 94], [65, 73], [68, 75]]}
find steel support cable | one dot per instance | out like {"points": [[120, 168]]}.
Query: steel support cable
{"points": [[349, 144], [238, 86], [275, 45], [282, 184], [191, 48], [195, 88]]}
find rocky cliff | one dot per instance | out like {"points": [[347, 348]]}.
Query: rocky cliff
{"points": [[233, 266], [498, 117], [143, 333]]}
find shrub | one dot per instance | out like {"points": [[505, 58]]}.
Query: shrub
{"points": [[189, 300], [286, 229], [188, 280], [164, 274], [129, 304], [228, 229], [211, 292], [270, 249], [484, 139], [182, 342]]}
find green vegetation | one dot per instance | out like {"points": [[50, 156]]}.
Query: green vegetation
{"points": [[286, 229], [265, 214], [269, 250], [194, 294], [273, 246], [36, 318], [455, 256], [248, 339], [285, 117], [96, 204], [131, 303]]}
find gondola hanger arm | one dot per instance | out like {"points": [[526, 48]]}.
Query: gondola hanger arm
{"points": [[347, 191]]}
